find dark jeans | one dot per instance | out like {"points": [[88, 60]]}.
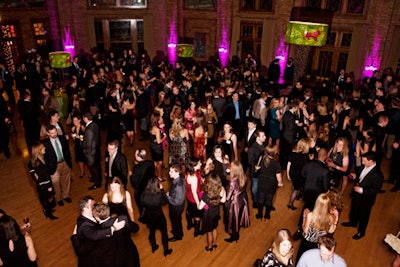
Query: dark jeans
{"points": [[175, 215]]}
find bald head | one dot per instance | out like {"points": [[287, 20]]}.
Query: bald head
{"points": [[322, 154]]}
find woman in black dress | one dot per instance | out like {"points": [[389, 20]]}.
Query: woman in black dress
{"points": [[218, 163], [120, 202], [297, 158], [156, 140], [44, 186], [16, 249], [77, 133], [214, 193], [152, 200], [128, 117], [269, 179]]}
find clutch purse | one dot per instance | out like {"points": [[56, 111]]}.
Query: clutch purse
{"points": [[393, 241]]}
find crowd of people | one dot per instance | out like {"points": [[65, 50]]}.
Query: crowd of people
{"points": [[222, 130]]}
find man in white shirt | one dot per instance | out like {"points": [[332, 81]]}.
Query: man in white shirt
{"points": [[323, 256]]}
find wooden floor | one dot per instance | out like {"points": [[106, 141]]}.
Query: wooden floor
{"points": [[52, 238]]}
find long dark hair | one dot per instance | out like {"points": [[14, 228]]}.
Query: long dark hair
{"points": [[9, 228]]}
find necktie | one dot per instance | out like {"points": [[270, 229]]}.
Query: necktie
{"points": [[58, 151], [110, 165]]}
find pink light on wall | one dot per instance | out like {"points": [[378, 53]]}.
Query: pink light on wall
{"points": [[223, 49], [173, 39], [281, 53], [373, 59], [68, 44]]}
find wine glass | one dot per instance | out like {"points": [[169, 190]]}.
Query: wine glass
{"points": [[27, 225]]}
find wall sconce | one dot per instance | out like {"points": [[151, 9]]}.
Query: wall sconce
{"points": [[171, 45]]}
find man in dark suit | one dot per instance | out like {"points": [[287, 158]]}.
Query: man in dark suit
{"points": [[256, 150], [58, 160], [91, 149], [316, 175], [118, 250], [87, 232], [143, 171], [249, 139], [28, 113], [368, 184], [289, 130], [116, 164], [236, 113]]}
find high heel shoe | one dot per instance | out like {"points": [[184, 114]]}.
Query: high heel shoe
{"points": [[231, 239], [49, 215], [214, 246], [154, 248], [167, 252], [291, 207], [209, 249]]}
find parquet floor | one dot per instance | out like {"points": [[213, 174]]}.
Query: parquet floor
{"points": [[53, 245]]}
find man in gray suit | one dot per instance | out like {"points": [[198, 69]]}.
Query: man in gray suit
{"points": [[91, 149]]}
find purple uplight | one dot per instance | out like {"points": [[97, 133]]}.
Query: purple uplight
{"points": [[281, 53], [223, 49], [173, 40], [373, 59], [68, 44]]}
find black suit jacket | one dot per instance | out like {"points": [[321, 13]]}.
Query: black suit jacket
{"points": [[85, 240], [230, 112], [142, 174], [119, 166], [51, 156], [91, 143], [371, 184]]}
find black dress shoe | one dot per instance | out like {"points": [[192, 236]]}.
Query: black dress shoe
{"points": [[68, 200], [60, 203], [395, 189], [348, 224], [381, 191], [358, 236], [174, 239], [167, 252], [93, 187], [273, 208]]}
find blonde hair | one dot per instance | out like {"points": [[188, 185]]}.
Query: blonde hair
{"points": [[280, 236], [237, 171], [345, 150], [322, 219], [37, 154], [302, 146]]}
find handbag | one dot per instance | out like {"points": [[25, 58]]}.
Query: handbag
{"points": [[393, 241]]}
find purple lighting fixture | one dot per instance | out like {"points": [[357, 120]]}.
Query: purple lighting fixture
{"points": [[68, 44]]}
